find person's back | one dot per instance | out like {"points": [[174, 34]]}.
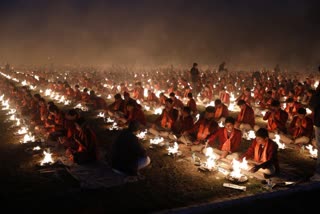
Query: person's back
{"points": [[128, 155]]}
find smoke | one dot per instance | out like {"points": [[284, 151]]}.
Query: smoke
{"points": [[245, 34]]}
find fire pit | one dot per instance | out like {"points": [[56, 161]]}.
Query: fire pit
{"points": [[237, 179]]}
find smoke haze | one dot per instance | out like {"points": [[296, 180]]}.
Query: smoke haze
{"points": [[244, 33]]}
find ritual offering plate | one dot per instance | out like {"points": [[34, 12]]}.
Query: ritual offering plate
{"points": [[204, 168], [237, 180]]}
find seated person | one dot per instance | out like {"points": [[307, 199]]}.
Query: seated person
{"points": [[184, 122], [128, 155], [276, 120], [221, 111], [85, 140], [262, 155], [133, 113], [228, 139], [301, 127], [245, 120], [117, 108], [164, 123], [202, 129]]}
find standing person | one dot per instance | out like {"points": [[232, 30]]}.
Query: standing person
{"points": [[195, 76], [128, 155], [315, 106], [262, 154]]}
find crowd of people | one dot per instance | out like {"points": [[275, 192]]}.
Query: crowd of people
{"points": [[285, 97]]}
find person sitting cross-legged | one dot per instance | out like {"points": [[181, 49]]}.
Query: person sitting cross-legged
{"points": [[262, 156], [228, 139]]}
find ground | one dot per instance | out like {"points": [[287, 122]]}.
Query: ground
{"points": [[169, 183]]}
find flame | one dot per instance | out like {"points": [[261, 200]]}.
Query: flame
{"points": [[156, 140], [211, 160], [173, 150], [47, 158], [101, 114], [28, 138], [158, 111], [313, 151], [114, 126], [237, 166], [277, 140], [142, 134], [36, 148], [308, 111], [22, 130]]}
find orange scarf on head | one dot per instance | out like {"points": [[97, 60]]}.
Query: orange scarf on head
{"points": [[298, 131], [226, 146], [263, 157]]}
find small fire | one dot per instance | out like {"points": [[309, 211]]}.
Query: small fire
{"points": [[277, 140], [142, 134], [22, 130], [47, 158], [156, 140], [263, 113], [237, 166], [313, 151], [28, 138], [101, 114], [249, 135], [147, 108], [231, 107], [158, 111], [109, 120], [174, 149], [12, 111], [308, 111], [36, 148], [114, 126], [211, 160]]}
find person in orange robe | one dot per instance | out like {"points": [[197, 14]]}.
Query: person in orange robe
{"points": [[228, 139]]}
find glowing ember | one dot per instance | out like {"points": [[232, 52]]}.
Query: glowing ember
{"points": [[313, 151], [47, 158], [174, 149]]}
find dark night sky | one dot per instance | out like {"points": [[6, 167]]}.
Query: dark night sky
{"points": [[240, 32]]}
